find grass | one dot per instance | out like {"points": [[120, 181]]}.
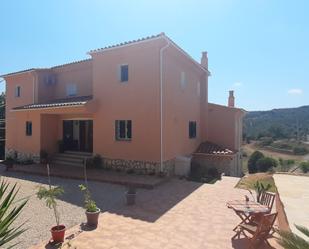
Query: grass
{"points": [[248, 181]]}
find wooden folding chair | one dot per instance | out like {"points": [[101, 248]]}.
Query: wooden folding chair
{"points": [[259, 232], [267, 199]]}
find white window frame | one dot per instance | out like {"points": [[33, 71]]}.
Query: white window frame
{"points": [[71, 90], [183, 80], [117, 131], [17, 92]]}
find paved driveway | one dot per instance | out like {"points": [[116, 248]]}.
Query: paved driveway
{"points": [[177, 214]]}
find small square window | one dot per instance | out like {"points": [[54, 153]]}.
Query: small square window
{"points": [[192, 129], [124, 73], [71, 90], [28, 128], [17, 91], [123, 130], [183, 80]]}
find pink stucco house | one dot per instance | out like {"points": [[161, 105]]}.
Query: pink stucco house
{"points": [[140, 104]]}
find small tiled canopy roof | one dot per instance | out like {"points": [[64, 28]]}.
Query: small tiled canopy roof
{"points": [[213, 149], [67, 102]]}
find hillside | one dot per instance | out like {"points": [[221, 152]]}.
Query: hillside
{"points": [[278, 123]]}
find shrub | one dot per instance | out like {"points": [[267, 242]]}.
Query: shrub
{"points": [[265, 164], [304, 166], [43, 156], [202, 173], [213, 173], [266, 141], [300, 150], [252, 167], [97, 161]]}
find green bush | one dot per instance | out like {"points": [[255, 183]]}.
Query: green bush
{"points": [[266, 163], [304, 166], [252, 167], [300, 150], [202, 173], [266, 141]]}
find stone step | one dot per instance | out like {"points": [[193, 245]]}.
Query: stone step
{"points": [[72, 156], [61, 162], [78, 153], [68, 159]]}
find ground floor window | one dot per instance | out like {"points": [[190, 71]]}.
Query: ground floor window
{"points": [[192, 129], [28, 128], [123, 130]]}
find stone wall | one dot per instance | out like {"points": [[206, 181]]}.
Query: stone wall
{"points": [[139, 167], [22, 157], [226, 165]]}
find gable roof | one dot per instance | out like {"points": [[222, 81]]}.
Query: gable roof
{"points": [[147, 39]]}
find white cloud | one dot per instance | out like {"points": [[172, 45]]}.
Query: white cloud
{"points": [[295, 91], [237, 84]]}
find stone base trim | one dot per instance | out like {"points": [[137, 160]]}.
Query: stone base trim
{"points": [[22, 157], [139, 167]]}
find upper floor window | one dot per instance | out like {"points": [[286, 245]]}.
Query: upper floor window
{"points": [[124, 73], [123, 130], [192, 129], [28, 128], [17, 91], [71, 90], [183, 80]]}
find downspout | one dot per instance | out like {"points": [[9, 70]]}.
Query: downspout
{"points": [[33, 86], [161, 102]]}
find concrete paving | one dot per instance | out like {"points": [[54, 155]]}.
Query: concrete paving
{"points": [[294, 194]]}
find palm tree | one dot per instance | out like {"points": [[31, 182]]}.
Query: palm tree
{"points": [[290, 240], [9, 212]]}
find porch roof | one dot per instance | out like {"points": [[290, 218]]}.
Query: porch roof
{"points": [[58, 103], [209, 148]]}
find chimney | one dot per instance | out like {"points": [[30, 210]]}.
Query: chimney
{"points": [[231, 99], [204, 60]]}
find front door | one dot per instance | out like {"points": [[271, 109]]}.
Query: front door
{"points": [[78, 135]]}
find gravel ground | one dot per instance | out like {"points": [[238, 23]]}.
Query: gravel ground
{"points": [[39, 219]]}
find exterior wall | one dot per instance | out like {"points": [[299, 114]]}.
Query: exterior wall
{"points": [[15, 131], [137, 100], [224, 126], [79, 74], [181, 103], [49, 132]]}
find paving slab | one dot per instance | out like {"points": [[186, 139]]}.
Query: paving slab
{"points": [[294, 194]]}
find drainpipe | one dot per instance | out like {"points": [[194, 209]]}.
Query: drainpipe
{"points": [[34, 86], [161, 102]]}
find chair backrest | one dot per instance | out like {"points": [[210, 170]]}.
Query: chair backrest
{"points": [[265, 225], [267, 199]]}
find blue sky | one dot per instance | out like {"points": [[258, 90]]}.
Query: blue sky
{"points": [[258, 48]]}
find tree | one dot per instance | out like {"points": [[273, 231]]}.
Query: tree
{"points": [[252, 167], [266, 163], [9, 212], [290, 240]]}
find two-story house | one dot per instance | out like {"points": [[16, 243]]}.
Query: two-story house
{"points": [[138, 104]]}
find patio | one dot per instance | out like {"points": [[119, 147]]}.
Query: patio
{"points": [[178, 214]]}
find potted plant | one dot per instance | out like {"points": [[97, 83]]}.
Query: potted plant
{"points": [[60, 146], [92, 211], [43, 156], [131, 195], [50, 195]]}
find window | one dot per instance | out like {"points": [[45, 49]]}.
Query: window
{"points": [[192, 129], [123, 130], [28, 128], [183, 80], [17, 91], [124, 73], [71, 90]]}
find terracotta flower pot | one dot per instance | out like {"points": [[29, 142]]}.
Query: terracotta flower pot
{"points": [[58, 233], [93, 217]]}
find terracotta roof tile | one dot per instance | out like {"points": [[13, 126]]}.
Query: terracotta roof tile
{"points": [[127, 42], [213, 149], [67, 102]]}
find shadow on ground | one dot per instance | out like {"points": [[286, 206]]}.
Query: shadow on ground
{"points": [[150, 204]]}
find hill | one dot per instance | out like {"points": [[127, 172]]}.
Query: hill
{"points": [[278, 123]]}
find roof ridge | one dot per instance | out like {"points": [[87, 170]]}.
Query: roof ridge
{"points": [[126, 43], [70, 63]]}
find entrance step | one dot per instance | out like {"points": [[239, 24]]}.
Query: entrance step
{"points": [[71, 158]]}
